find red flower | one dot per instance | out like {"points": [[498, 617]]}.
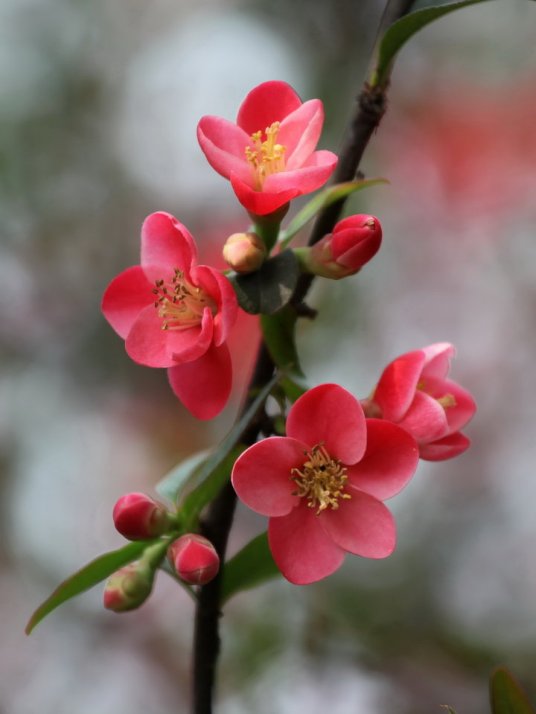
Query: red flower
{"points": [[414, 393], [323, 485], [269, 154], [174, 313]]}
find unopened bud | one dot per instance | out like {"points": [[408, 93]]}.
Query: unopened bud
{"points": [[354, 241], [244, 252], [194, 558], [138, 517], [129, 587]]}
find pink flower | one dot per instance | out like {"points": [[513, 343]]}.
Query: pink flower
{"points": [[269, 154], [323, 484], [176, 314], [414, 393], [354, 241]]}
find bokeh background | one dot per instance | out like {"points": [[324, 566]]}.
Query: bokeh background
{"points": [[99, 105]]}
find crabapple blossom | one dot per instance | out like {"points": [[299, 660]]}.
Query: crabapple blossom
{"points": [[354, 241], [269, 154], [322, 485], [139, 517], [194, 558], [414, 393], [176, 314]]}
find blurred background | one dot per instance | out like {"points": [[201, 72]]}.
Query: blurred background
{"points": [[98, 111]]}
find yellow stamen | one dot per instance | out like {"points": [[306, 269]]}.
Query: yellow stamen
{"points": [[266, 157], [321, 480], [179, 303]]}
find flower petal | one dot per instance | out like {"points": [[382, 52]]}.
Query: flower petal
{"points": [[125, 297], [262, 475], [224, 144], [165, 245], [261, 203], [362, 525], [389, 461], [188, 345], [330, 415], [310, 176], [437, 359], [300, 131], [395, 391], [446, 448], [463, 408], [204, 385], [268, 102], [147, 342], [219, 288], [301, 548], [425, 420]]}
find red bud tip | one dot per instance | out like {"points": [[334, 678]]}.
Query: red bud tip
{"points": [[138, 517], [194, 558]]}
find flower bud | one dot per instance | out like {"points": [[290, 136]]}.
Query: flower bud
{"points": [[244, 252], [194, 558], [354, 241], [129, 587], [138, 517]]}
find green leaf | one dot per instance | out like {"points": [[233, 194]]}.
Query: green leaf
{"points": [[322, 200], [251, 566], [399, 33], [278, 331], [214, 472], [84, 579], [506, 694], [182, 477], [269, 288]]}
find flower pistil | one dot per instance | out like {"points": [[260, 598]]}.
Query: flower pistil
{"points": [[321, 480]]}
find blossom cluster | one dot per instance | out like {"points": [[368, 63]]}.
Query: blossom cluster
{"points": [[323, 483]]}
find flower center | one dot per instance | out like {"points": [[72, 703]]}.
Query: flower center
{"points": [[447, 400], [266, 157], [321, 480], [179, 303]]}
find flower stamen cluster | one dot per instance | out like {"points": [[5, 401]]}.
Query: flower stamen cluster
{"points": [[180, 304], [266, 157], [321, 480]]}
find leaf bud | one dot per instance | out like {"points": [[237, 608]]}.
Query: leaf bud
{"points": [[194, 558], [244, 252], [138, 517]]}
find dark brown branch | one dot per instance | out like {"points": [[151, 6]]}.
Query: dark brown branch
{"points": [[371, 106]]}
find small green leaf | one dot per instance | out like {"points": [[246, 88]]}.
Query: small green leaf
{"points": [[399, 33], [84, 579], [269, 288], [278, 331], [251, 566], [182, 477], [214, 472], [506, 694], [322, 200]]}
